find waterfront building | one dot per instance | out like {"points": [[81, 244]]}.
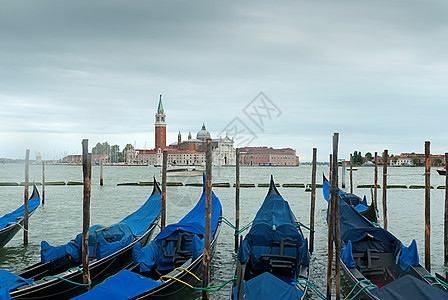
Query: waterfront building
{"points": [[264, 156], [185, 153]]}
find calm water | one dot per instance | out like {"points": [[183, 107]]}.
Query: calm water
{"points": [[61, 218]]}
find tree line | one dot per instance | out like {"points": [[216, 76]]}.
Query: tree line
{"points": [[114, 153]]}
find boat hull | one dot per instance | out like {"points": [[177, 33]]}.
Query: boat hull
{"points": [[175, 289], [441, 172], [56, 288]]}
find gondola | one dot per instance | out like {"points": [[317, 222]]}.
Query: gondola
{"points": [[368, 211], [110, 250], [11, 223], [172, 261], [273, 260], [376, 265]]}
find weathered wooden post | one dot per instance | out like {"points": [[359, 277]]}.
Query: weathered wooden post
{"points": [[87, 171], [351, 173], [43, 182], [237, 197], [375, 188], [445, 233], [343, 175], [427, 207], [330, 233], [313, 199], [208, 221], [26, 205], [385, 160], [335, 203], [101, 174], [163, 209]]}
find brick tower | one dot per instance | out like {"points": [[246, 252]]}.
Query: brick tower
{"points": [[160, 127]]}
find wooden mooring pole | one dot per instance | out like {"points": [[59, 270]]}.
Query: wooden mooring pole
{"points": [[335, 201], [375, 188], [385, 159], [208, 221], [351, 173], [101, 174], [26, 197], [237, 198], [163, 209], [43, 182], [445, 232], [313, 199], [330, 234], [87, 172], [427, 207]]}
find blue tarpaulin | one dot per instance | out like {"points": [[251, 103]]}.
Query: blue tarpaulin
{"points": [[111, 239], [409, 256], [11, 281], [409, 287], [267, 287], [18, 213], [124, 285], [347, 255], [274, 221], [193, 223], [352, 199]]}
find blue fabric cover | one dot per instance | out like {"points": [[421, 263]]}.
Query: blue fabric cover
{"points": [[11, 281], [347, 255], [274, 221], [124, 232], [267, 286], [409, 256], [124, 285], [18, 213], [193, 222], [409, 287], [356, 228], [4, 294], [360, 204]]}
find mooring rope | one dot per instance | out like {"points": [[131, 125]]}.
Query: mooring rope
{"points": [[227, 222], [65, 279], [364, 280], [439, 281], [313, 288]]}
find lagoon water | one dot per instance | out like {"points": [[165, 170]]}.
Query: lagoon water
{"points": [[60, 219]]}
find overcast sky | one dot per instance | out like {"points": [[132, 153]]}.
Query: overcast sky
{"points": [[374, 71]]}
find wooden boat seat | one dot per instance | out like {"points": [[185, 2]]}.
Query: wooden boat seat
{"points": [[373, 262], [281, 263], [180, 254]]}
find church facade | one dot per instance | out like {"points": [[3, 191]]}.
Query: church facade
{"points": [[183, 152]]}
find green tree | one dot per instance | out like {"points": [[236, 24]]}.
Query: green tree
{"points": [[369, 156], [415, 160], [437, 161], [357, 158], [394, 160]]}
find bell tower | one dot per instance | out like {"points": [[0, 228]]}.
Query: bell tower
{"points": [[160, 127]]}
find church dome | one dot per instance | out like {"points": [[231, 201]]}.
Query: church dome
{"points": [[203, 134]]}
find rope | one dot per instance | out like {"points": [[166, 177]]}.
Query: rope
{"points": [[167, 276], [440, 281], [303, 225], [221, 218], [65, 279], [21, 226], [157, 225], [364, 280], [370, 284], [213, 288], [243, 229], [189, 272], [313, 288]]}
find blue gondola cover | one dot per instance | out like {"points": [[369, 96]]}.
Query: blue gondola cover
{"points": [[123, 232], [409, 287], [274, 221], [11, 217], [193, 222], [10, 281], [267, 286], [347, 255], [124, 285], [409, 256]]}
